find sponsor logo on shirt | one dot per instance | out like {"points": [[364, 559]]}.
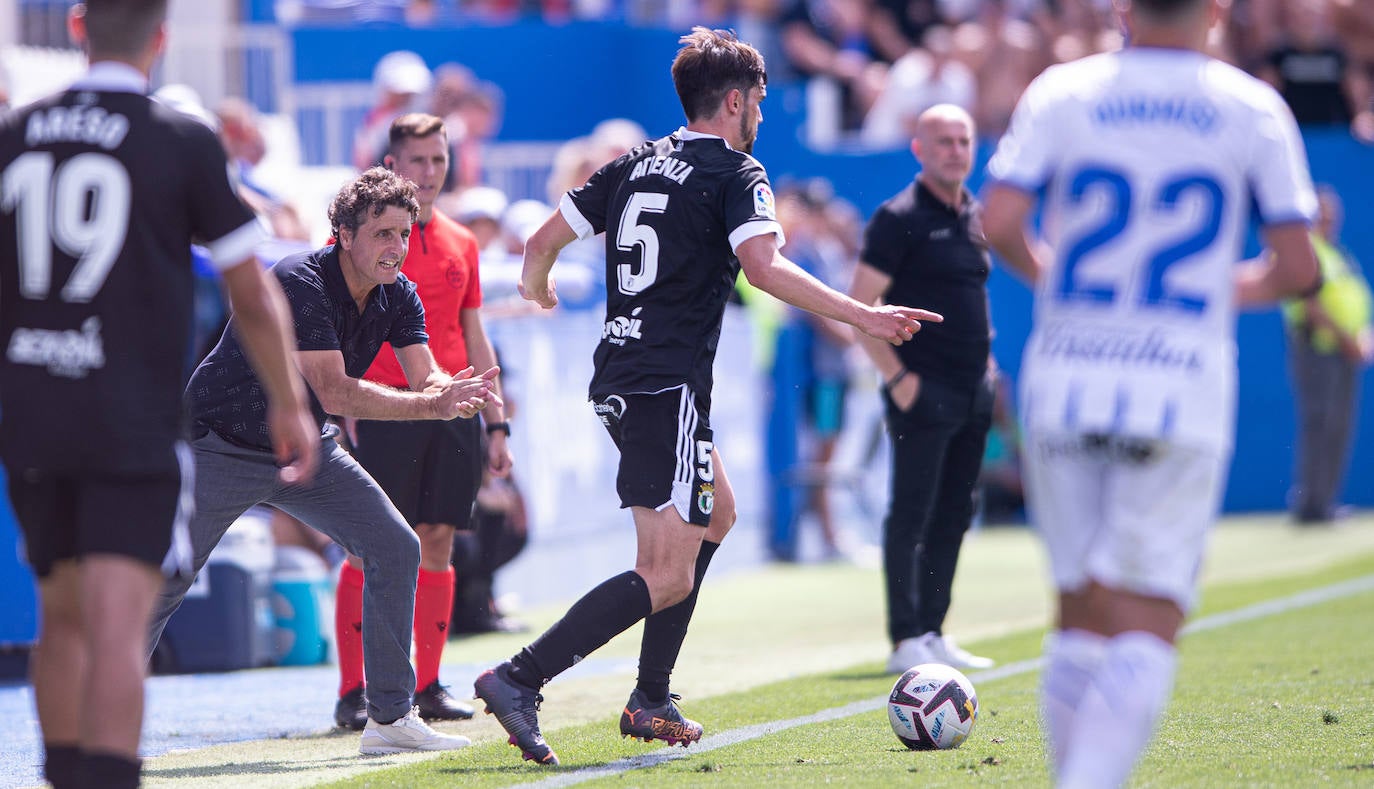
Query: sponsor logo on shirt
{"points": [[66, 353], [1121, 346], [622, 329]]}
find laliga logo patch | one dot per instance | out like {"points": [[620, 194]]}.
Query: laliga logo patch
{"points": [[706, 497], [763, 201]]}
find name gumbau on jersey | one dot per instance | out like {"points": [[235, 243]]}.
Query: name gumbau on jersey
{"points": [[1191, 112], [88, 125], [666, 166], [621, 329], [67, 353]]}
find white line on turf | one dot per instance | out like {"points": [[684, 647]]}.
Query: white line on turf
{"points": [[725, 739]]}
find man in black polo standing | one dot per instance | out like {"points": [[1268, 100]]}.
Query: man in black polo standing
{"points": [[925, 245]]}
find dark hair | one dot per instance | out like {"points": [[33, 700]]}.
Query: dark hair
{"points": [[1166, 10], [710, 64], [122, 27], [415, 125], [371, 193]]}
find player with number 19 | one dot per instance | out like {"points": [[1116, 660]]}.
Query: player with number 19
{"points": [[1148, 160], [101, 193], [682, 215]]}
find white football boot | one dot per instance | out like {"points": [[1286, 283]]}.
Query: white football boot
{"points": [[405, 735]]}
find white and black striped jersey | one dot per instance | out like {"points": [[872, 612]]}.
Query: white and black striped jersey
{"points": [[102, 191], [674, 211]]}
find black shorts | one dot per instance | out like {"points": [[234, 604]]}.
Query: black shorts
{"points": [[665, 451], [430, 469], [67, 516]]}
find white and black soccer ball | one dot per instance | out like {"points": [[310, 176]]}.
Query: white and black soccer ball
{"points": [[932, 707]]}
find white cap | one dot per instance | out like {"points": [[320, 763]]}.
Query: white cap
{"points": [[480, 202], [523, 217], [402, 71], [185, 99]]}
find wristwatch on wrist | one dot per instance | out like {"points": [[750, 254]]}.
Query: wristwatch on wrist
{"points": [[503, 427]]}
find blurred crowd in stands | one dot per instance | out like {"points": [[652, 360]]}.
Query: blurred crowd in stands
{"points": [[876, 64]]}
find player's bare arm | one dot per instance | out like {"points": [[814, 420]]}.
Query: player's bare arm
{"points": [[1004, 223], [343, 395], [769, 271], [869, 286], [264, 327], [1290, 268], [541, 251], [483, 355]]}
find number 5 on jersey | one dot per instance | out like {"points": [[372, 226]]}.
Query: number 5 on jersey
{"points": [[631, 234]]}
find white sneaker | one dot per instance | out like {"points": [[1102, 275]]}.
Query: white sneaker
{"points": [[946, 651], [407, 734], [910, 652]]}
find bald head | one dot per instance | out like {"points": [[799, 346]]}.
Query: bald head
{"points": [[944, 146], [930, 121]]}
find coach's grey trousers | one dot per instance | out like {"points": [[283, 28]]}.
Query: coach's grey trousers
{"points": [[343, 502]]}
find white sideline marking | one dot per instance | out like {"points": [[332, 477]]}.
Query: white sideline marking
{"points": [[725, 739]]}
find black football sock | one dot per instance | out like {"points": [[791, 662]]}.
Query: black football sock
{"points": [[108, 770], [664, 633], [60, 764], [602, 614]]}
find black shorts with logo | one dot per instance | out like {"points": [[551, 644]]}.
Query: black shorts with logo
{"points": [[430, 469], [665, 451], [67, 516]]}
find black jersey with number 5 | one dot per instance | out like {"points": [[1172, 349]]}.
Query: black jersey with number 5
{"points": [[102, 192], [674, 211]]}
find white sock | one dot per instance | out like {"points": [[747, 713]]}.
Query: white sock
{"points": [[1118, 712], [1071, 658]]}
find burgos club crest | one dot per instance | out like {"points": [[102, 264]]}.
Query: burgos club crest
{"points": [[706, 497]]}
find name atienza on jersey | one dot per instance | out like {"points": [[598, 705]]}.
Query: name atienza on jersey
{"points": [[1150, 160]]}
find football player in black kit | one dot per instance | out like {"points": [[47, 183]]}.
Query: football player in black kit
{"points": [[101, 194], [682, 215]]}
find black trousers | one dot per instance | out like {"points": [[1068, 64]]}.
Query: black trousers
{"points": [[937, 450]]}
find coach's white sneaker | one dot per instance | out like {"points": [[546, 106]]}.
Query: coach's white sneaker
{"points": [[910, 652], [944, 650], [407, 734]]}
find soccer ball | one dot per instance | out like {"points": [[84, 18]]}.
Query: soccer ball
{"points": [[932, 707]]}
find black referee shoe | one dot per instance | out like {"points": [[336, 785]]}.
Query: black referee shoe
{"points": [[351, 711], [436, 703]]}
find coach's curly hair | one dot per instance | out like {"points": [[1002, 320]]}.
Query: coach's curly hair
{"points": [[372, 192]]}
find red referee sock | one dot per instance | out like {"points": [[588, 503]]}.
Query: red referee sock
{"points": [[433, 607], [348, 627]]}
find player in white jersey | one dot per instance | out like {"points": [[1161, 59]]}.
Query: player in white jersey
{"points": [[1148, 159]]}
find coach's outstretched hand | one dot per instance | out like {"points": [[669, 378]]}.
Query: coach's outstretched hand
{"points": [[465, 394], [894, 324], [295, 442]]}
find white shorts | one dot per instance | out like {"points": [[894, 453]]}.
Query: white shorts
{"points": [[1131, 514]]}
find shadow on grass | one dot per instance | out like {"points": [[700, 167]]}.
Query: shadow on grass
{"points": [[266, 767]]}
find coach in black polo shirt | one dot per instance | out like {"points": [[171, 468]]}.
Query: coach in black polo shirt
{"points": [[346, 299], [925, 246]]}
